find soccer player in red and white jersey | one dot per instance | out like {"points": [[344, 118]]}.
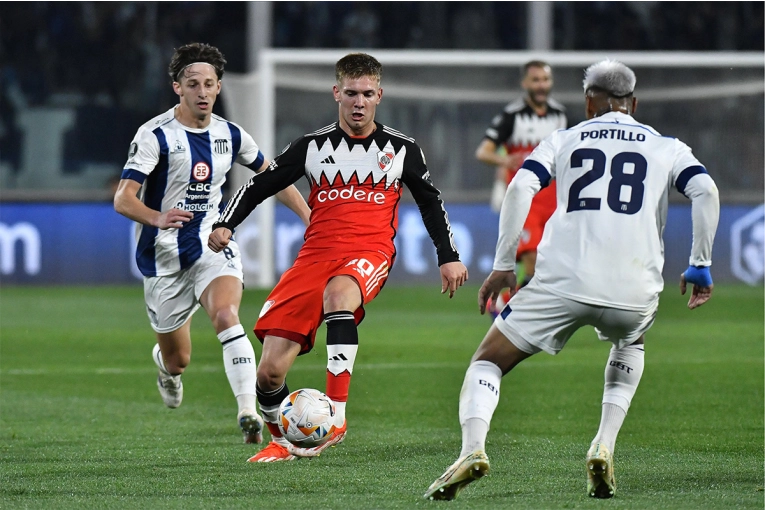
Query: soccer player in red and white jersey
{"points": [[355, 168], [172, 188], [518, 129], [600, 264]]}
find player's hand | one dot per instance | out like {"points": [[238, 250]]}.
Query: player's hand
{"points": [[702, 285], [219, 239], [453, 275], [493, 286], [174, 218], [513, 161]]}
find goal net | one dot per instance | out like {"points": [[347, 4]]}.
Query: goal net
{"points": [[446, 100]]}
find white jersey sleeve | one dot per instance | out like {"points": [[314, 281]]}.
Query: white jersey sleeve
{"points": [[143, 155], [693, 181], [249, 153]]}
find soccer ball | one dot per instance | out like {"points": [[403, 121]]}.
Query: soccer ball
{"points": [[307, 418]]}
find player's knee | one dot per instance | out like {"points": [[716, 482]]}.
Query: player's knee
{"points": [[225, 317], [269, 376], [500, 350], [342, 293], [337, 301]]}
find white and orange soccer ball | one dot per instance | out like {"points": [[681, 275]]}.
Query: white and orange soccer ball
{"points": [[307, 418]]}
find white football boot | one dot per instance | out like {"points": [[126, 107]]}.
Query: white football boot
{"points": [[466, 469], [170, 386], [601, 482], [252, 426]]}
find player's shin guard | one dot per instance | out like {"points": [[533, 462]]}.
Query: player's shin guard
{"points": [[240, 365], [478, 401], [269, 406], [342, 345], [622, 376]]}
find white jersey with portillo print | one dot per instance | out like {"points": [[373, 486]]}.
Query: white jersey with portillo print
{"points": [[183, 167], [603, 245]]}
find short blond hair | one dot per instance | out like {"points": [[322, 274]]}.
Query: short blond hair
{"points": [[357, 65]]}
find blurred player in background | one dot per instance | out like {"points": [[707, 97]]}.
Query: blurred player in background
{"points": [[355, 168], [600, 263], [171, 186], [512, 136]]}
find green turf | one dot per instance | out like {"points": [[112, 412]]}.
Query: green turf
{"points": [[82, 425]]}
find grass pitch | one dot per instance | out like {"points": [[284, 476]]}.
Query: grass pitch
{"points": [[82, 425]]}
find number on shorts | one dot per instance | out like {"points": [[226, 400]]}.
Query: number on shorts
{"points": [[363, 266], [228, 252]]}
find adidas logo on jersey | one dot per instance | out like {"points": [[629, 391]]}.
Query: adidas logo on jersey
{"points": [[328, 160]]}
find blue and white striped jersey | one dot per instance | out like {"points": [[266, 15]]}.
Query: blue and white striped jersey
{"points": [[185, 168]]}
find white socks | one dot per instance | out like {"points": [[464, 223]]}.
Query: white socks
{"points": [[611, 419], [622, 376], [239, 362], [340, 413], [478, 401], [480, 395]]}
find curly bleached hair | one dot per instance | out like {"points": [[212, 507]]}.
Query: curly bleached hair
{"points": [[611, 77]]}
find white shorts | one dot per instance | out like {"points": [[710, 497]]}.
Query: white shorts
{"points": [[172, 299], [537, 320]]}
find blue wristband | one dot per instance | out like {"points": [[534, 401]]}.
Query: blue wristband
{"points": [[698, 276]]}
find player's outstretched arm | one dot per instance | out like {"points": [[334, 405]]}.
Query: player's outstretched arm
{"points": [[701, 279], [219, 239], [127, 204], [453, 275], [493, 286]]}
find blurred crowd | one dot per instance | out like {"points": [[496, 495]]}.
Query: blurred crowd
{"points": [[107, 53], [115, 53], [108, 60], [502, 25]]}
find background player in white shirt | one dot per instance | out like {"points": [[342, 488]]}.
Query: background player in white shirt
{"points": [[599, 264], [171, 186]]}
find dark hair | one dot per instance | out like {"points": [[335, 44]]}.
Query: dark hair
{"points": [[192, 53], [534, 63], [357, 65]]}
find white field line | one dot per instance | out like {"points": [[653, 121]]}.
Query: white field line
{"points": [[301, 367]]}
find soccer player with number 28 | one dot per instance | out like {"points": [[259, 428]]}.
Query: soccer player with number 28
{"points": [[177, 163], [599, 264], [355, 168]]}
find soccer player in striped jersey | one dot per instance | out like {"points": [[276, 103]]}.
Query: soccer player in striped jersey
{"points": [[600, 264], [518, 129], [356, 168], [171, 188]]}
